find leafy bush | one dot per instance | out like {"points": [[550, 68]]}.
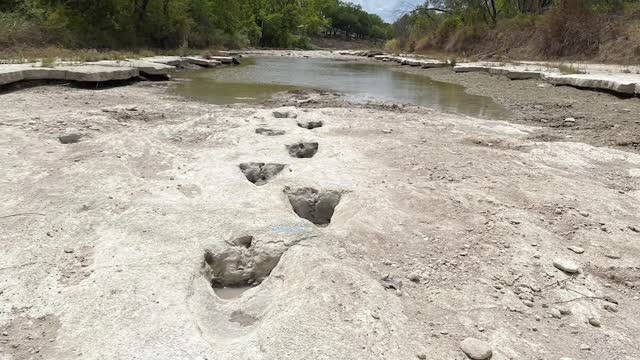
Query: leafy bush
{"points": [[392, 46], [301, 42]]}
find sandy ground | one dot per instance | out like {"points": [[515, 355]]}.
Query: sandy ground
{"points": [[447, 227]]}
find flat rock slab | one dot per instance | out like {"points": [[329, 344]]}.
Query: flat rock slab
{"points": [[98, 73], [224, 59], [82, 73], [175, 61], [145, 67], [11, 73], [203, 62], [383, 57], [429, 64], [619, 83], [510, 72], [463, 68]]}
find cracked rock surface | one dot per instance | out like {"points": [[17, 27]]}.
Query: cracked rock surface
{"points": [[447, 229]]}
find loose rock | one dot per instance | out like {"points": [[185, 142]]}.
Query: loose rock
{"points": [[476, 349], [70, 138], [564, 311], [566, 265], [284, 114], [555, 313]]}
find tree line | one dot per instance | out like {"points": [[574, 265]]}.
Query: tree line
{"points": [[181, 23], [551, 28]]}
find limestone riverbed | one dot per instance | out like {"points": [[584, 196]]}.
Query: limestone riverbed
{"points": [[353, 231]]}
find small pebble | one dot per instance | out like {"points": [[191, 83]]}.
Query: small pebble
{"points": [[594, 322], [555, 313], [576, 249]]}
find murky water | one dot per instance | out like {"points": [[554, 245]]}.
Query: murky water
{"points": [[259, 78]]}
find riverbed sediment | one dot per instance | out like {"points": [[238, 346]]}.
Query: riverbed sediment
{"points": [[400, 233]]}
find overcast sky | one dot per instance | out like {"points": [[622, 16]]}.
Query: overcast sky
{"points": [[389, 10]]}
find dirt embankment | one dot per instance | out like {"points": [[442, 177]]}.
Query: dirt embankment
{"points": [[569, 30]]}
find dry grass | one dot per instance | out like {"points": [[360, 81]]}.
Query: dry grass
{"points": [[567, 29], [569, 69], [35, 54], [48, 62]]}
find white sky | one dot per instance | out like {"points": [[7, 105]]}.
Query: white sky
{"points": [[389, 10]]}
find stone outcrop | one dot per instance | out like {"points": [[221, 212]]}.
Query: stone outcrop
{"points": [[203, 62], [600, 79], [155, 68], [81, 73], [145, 67], [618, 83]]}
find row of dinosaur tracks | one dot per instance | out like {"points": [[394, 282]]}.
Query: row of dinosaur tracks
{"points": [[244, 262]]}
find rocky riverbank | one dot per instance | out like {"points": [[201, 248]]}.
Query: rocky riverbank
{"points": [[105, 71], [561, 113], [132, 219]]}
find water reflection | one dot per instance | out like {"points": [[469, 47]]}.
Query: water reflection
{"points": [[261, 77]]}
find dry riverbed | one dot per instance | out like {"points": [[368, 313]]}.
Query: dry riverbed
{"points": [[563, 113], [426, 228]]}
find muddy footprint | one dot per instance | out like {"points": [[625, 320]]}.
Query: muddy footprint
{"points": [[269, 132], [239, 266], [310, 124], [260, 173], [313, 205], [303, 149]]}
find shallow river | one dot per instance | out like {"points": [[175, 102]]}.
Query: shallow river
{"points": [[259, 78]]}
